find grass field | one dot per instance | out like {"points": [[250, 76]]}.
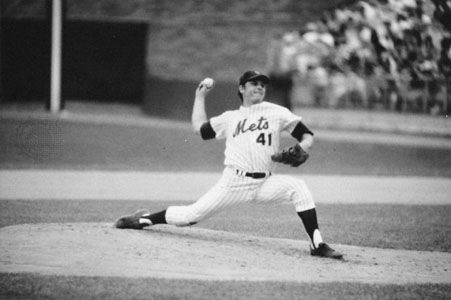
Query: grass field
{"points": [[90, 146], [28, 286], [416, 227], [60, 144]]}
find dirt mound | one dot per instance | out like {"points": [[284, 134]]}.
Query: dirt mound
{"points": [[98, 249]]}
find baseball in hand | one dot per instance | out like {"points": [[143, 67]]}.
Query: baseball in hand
{"points": [[208, 82]]}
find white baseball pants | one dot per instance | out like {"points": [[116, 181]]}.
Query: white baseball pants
{"points": [[232, 189]]}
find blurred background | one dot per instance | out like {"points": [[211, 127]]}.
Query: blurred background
{"points": [[384, 56]]}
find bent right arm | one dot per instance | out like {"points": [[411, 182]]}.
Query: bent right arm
{"points": [[199, 115]]}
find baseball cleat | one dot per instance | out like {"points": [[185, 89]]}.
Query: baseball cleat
{"points": [[134, 221], [324, 250]]}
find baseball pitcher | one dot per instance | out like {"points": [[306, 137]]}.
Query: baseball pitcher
{"points": [[252, 135]]}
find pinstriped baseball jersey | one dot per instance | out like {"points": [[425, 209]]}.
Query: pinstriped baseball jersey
{"points": [[253, 134]]}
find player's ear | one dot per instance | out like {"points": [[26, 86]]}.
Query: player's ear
{"points": [[240, 92]]}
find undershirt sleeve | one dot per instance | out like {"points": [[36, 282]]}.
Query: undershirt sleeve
{"points": [[300, 130], [207, 132]]}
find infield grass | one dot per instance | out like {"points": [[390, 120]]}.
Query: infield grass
{"points": [[411, 227], [58, 144], [26, 286]]}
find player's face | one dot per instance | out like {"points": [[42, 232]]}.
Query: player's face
{"points": [[253, 92]]}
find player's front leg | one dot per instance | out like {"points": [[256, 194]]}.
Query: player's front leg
{"points": [[318, 247], [281, 188], [140, 219]]}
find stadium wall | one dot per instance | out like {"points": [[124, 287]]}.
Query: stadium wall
{"points": [[101, 60], [186, 40], [174, 98]]}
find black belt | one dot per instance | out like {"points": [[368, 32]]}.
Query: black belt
{"points": [[256, 175]]}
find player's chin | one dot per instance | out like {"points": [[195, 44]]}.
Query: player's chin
{"points": [[257, 98]]}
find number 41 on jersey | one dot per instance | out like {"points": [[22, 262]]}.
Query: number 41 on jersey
{"points": [[264, 138]]}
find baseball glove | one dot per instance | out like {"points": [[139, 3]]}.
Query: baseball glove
{"points": [[293, 156]]}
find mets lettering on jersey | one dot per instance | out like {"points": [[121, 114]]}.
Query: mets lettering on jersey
{"points": [[252, 134], [242, 127]]}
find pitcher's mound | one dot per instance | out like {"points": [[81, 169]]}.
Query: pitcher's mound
{"points": [[98, 249]]}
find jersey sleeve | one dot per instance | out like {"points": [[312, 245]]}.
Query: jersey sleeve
{"points": [[289, 120], [219, 125]]}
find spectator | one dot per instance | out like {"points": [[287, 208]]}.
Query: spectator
{"points": [[337, 86], [377, 85], [319, 81], [444, 62], [281, 66], [382, 52], [443, 13], [444, 68]]}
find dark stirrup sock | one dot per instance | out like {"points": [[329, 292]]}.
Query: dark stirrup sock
{"points": [[310, 221], [158, 218]]}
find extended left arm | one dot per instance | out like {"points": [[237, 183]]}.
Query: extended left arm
{"points": [[297, 154], [303, 135], [306, 141]]}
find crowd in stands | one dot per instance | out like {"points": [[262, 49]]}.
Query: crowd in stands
{"points": [[393, 54]]}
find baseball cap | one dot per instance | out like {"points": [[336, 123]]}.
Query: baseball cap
{"points": [[253, 75]]}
